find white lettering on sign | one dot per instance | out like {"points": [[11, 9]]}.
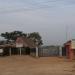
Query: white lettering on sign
{"points": [[1, 50]]}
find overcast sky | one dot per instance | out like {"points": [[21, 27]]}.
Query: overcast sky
{"points": [[51, 18]]}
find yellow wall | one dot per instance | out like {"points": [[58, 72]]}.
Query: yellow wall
{"points": [[73, 44]]}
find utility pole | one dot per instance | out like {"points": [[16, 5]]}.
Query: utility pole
{"points": [[66, 32]]}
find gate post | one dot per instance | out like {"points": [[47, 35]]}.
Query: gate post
{"points": [[10, 51], [20, 51], [60, 51], [37, 52]]}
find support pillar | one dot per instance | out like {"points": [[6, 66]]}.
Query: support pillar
{"points": [[10, 51], [60, 51], [20, 51], [37, 54]]}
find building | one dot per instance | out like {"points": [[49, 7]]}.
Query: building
{"points": [[29, 46], [22, 46], [70, 49]]}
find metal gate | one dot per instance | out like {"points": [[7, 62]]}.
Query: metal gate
{"points": [[51, 51]]}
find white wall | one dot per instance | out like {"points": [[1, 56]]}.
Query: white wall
{"points": [[73, 44], [1, 50]]}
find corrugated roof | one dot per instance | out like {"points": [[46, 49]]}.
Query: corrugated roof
{"points": [[7, 45]]}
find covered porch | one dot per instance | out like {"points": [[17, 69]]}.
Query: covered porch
{"points": [[22, 46]]}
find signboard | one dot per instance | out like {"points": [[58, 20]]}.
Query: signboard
{"points": [[19, 45], [1, 50]]}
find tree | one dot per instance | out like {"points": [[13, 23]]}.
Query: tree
{"points": [[35, 36], [13, 35]]}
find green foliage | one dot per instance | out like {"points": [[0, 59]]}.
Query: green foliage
{"points": [[13, 35], [35, 36]]}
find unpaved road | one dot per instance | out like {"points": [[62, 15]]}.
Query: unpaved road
{"points": [[26, 65]]}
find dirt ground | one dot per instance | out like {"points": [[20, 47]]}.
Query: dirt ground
{"points": [[27, 65]]}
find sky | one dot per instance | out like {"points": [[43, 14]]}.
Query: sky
{"points": [[53, 19]]}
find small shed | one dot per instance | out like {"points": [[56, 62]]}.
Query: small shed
{"points": [[70, 49]]}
